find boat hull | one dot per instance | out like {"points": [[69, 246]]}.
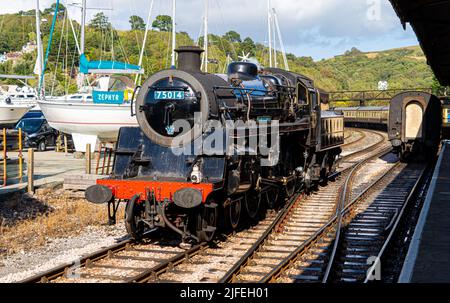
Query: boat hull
{"points": [[100, 120], [11, 114]]}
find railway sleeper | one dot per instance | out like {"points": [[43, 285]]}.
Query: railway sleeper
{"points": [[304, 278]]}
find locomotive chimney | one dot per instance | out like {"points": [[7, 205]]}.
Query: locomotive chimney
{"points": [[189, 58]]}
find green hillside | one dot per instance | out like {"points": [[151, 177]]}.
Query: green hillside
{"points": [[354, 70]]}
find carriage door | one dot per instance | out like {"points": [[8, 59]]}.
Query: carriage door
{"points": [[315, 117], [413, 121]]}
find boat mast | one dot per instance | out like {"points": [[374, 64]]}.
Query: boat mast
{"points": [[82, 40], [40, 58], [269, 23], [205, 42], [280, 38], [274, 36], [174, 8], [83, 25], [144, 42]]}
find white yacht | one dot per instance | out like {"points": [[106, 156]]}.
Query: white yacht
{"points": [[15, 102], [89, 116]]}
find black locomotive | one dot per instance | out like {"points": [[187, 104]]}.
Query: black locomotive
{"points": [[415, 123], [176, 172]]}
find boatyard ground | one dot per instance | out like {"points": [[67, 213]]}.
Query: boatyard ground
{"points": [[49, 167]]}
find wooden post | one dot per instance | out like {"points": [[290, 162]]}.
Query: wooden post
{"points": [[105, 150], [30, 168], [109, 160], [88, 159], [65, 144], [4, 157], [98, 159], [20, 156], [58, 143]]}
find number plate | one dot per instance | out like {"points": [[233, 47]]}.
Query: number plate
{"points": [[169, 95]]}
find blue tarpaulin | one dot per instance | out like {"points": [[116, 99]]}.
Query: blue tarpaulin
{"points": [[87, 66]]}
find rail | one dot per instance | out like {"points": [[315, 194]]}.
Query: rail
{"points": [[364, 96]]}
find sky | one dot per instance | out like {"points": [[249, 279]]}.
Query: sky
{"points": [[317, 28]]}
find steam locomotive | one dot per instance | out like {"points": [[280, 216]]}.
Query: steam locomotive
{"points": [[218, 148]]}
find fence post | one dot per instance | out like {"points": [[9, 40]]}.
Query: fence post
{"points": [[65, 144], [88, 158], [4, 157], [30, 168], [20, 156]]}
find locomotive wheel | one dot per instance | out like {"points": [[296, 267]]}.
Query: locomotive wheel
{"points": [[234, 213], [207, 222], [133, 215], [253, 203]]}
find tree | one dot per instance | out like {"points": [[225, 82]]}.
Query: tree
{"points": [[248, 46], [137, 23], [353, 51], [437, 88], [100, 22], [232, 36], [51, 9], [163, 23]]}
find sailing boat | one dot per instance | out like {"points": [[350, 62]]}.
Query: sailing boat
{"points": [[16, 101], [11, 112], [102, 109]]}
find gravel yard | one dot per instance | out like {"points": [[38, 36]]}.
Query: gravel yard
{"points": [[58, 251], [48, 229]]}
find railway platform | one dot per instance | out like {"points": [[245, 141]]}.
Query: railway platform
{"points": [[428, 257]]}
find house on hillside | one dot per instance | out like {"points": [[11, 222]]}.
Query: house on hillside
{"points": [[29, 47]]}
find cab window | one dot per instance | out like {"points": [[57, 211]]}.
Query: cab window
{"points": [[302, 93]]}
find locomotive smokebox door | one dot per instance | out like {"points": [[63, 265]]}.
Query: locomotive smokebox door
{"points": [[187, 198]]}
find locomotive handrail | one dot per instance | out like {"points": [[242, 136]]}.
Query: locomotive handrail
{"points": [[242, 89], [243, 92], [285, 86], [168, 88], [132, 99]]}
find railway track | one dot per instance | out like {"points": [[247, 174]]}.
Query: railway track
{"points": [[351, 244], [369, 228], [304, 218], [165, 261], [130, 262], [211, 262], [113, 264], [361, 137], [359, 154]]}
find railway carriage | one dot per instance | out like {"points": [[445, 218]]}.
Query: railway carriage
{"points": [[365, 116], [415, 122], [170, 178]]}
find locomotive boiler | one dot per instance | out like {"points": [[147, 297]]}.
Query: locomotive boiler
{"points": [[212, 147]]}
